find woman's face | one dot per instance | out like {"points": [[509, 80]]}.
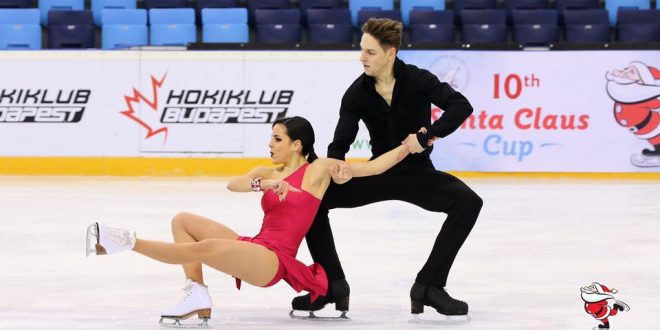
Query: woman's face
{"points": [[281, 147]]}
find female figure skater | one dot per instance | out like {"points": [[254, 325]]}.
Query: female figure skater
{"points": [[292, 194]]}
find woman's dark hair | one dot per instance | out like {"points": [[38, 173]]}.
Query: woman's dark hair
{"points": [[298, 128]]}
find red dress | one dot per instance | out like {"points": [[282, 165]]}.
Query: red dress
{"points": [[284, 227]]}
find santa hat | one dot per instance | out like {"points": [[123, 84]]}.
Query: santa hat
{"points": [[602, 293], [603, 289], [625, 90], [649, 75]]}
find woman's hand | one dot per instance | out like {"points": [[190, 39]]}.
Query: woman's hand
{"points": [[280, 187], [341, 172]]}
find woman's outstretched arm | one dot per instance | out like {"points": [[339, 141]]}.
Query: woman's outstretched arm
{"points": [[243, 183], [381, 164]]}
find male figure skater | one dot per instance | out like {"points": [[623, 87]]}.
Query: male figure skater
{"points": [[394, 99]]}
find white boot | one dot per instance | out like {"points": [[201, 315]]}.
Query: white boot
{"points": [[195, 300], [108, 240]]}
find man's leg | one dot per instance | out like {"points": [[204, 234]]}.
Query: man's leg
{"points": [[320, 241], [462, 206], [321, 246], [440, 192]]}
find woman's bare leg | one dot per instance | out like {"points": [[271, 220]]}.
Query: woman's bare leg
{"points": [[190, 228], [250, 262]]}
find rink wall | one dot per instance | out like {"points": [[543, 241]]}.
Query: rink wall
{"points": [[210, 112]]}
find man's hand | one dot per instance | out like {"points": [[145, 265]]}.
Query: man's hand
{"points": [[341, 172], [430, 142], [413, 144]]}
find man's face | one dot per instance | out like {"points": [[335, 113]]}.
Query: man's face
{"points": [[373, 57]]}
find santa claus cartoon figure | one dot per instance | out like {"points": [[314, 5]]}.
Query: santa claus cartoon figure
{"points": [[636, 94], [599, 302]]}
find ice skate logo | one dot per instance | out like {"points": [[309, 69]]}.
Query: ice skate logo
{"points": [[148, 118], [636, 94], [452, 70], [600, 302]]}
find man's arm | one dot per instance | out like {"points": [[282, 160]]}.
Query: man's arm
{"points": [[455, 106], [346, 130]]}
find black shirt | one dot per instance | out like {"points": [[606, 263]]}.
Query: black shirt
{"points": [[414, 91]]}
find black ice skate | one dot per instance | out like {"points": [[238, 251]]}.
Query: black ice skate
{"points": [[338, 294], [454, 311], [605, 325]]}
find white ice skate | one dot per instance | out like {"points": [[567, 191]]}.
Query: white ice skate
{"points": [[641, 160], [102, 239], [195, 300]]}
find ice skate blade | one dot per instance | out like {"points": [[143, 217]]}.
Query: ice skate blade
{"points": [[313, 317], [92, 239], [178, 325], [443, 320]]}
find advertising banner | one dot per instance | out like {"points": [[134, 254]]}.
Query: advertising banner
{"points": [[533, 111]]}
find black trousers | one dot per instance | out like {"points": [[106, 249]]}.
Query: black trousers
{"points": [[414, 181]]}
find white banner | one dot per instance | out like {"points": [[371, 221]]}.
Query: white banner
{"points": [[551, 111], [534, 111]]}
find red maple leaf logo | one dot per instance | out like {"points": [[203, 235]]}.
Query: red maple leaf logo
{"points": [[153, 105]]}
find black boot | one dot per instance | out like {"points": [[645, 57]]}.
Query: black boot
{"points": [[338, 293], [652, 152], [438, 298], [605, 325]]}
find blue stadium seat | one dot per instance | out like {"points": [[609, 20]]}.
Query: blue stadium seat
{"points": [[431, 26], [329, 26], [432, 17], [317, 4], [277, 25], [535, 27], [123, 28], [330, 33], [70, 29], [278, 33], [356, 5], [512, 5], [227, 25], [99, 5], [19, 29], [613, 7], [253, 5], [277, 16], [47, 5], [201, 4], [150, 4], [484, 26], [586, 25], [172, 26], [561, 5], [15, 4], [409, 5], [460, 5], [639, 25], [365, 14]]}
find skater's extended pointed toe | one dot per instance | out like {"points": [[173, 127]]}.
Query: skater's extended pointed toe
{"points": [[102, 239]]}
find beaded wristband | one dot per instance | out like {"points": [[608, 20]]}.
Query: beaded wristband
{"points": [[256, 185]]}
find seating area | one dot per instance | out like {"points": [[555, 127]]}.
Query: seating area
{"points": [[119, 24]]}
